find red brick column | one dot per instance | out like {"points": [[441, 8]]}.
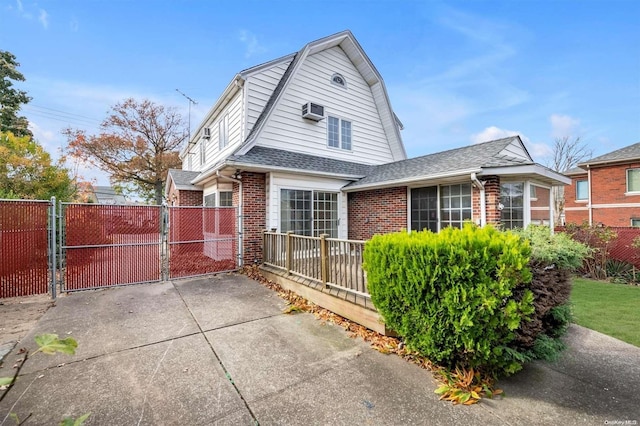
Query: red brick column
{"points": [[378, 211], [492, 197], [254, 216]]}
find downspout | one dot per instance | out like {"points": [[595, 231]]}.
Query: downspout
{"points": [[240, 216], [590, 207], [483, 204]]}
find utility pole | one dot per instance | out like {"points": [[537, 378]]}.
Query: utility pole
{"points": [[191, 101]]}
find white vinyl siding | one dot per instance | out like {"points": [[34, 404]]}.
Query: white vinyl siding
{"points": [[515, 149], [286, 128], [259, 89], [230, 118]]}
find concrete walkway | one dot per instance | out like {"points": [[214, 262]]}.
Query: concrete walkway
{"points": [[220, 351]]}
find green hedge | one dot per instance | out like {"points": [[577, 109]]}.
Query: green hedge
{"points": [[553, 258], [451, 295]]}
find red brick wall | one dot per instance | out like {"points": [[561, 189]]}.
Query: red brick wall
{"points": [[608, 186], [492, 196], [378, 211], [189, 198], [254, 216], [619, 216], [574, 216]]}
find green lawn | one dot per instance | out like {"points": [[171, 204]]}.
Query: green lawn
{"points": [[612, 309]]}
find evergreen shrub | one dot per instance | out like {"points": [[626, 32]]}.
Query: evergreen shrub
{"points": [[451, 295], [553, 259]]}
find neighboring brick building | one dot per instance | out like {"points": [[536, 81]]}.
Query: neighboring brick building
{"points": [[606, 190]]}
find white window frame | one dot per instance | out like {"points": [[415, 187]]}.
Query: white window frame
{"points": [[442, 208], [526, 205], [209, 197], [228, 202], [313, 206], [223, 132], [344, 80], [203, 153], [635, 222], [586, 182], [341, 136], [629, 191]]}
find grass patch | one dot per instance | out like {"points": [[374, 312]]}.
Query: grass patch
{"points": [[612, 309]]}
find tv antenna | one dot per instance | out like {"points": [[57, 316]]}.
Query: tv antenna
{"points": [[191, 101]]}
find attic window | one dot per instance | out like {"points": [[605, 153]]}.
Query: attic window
{"points": [[339, 80]]}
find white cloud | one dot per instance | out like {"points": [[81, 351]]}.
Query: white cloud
{"points": [[43, 17], [563, 125], [539, 151], [492, 133], [19, 6], [251, 43], [43, 136]]}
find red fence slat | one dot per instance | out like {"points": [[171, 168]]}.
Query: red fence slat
{"points": [[202, 240], [24, 262], [109, 245]]}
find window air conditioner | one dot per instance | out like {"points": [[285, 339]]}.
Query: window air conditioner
{"points": [[313, 111]]}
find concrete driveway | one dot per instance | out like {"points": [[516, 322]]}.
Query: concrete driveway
{"points": [[219, 350]]}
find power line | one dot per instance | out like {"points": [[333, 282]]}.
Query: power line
{"points": [[61, 112], [62, 117]]}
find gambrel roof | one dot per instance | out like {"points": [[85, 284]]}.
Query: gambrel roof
{"points": [[361, 61]]}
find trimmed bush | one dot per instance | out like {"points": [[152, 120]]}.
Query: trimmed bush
{"points": [[553, 258], [451, 295]]}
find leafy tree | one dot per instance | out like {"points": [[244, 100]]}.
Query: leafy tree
{"points": [[11, 98], [567, 154], [138, 143], [27, 171]]}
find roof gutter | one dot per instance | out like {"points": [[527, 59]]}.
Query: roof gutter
{"points": [[483, 204], [407, 182]]}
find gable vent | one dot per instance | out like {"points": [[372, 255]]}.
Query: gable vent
{"points": [[206, 133], [313, 111]]}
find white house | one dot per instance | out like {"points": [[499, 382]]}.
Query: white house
{"points": [[309, 143]]}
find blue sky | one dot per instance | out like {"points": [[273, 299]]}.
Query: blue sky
{"points": [[456, 72]]}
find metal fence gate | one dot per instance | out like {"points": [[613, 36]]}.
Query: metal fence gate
{"points": [[201, 240], [112, 245], [26, 247], [109, 245], [85, 246]]}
